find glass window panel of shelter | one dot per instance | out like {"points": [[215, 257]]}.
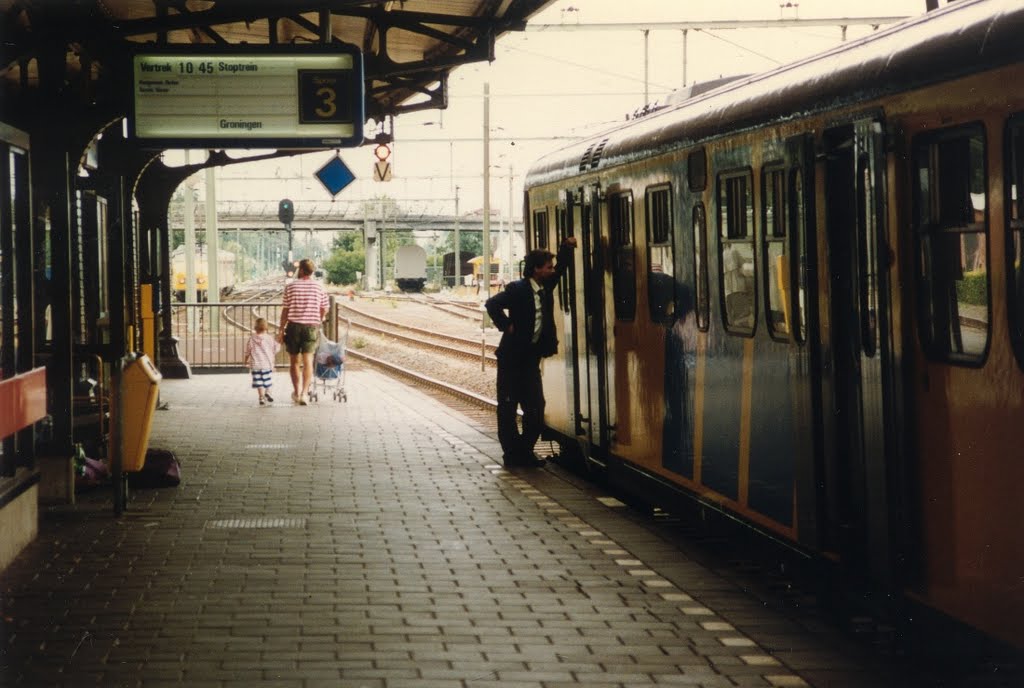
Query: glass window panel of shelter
{"points": [[80, 271], [623, 256], [775, 213], [540, 230], [700, 266], [952, 243], [561, 232], [660, 255], [1015, 240], [736, 256]]}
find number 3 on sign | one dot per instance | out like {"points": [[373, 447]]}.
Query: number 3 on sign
{"points": [[323, 97], [328, 105]]}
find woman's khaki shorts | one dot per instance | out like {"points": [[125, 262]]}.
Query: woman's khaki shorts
{"points": [[299, 338]]}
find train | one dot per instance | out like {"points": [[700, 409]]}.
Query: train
{"points": [[466, 267], [798, 303], [410, 267], [225, 272]]}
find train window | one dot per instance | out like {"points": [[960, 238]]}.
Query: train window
{"points": [[1015, 240], [737, 269], [700, 265], [867, 234], [561, 232], [660, 255], [798, 234], [540, 229], [697, 170], [952, 243], [776, 270], [623, 268]]}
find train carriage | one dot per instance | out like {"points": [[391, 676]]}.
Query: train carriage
{"points": [[799, 299]]}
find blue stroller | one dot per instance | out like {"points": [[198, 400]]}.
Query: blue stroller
{"points": [[329, 370]]}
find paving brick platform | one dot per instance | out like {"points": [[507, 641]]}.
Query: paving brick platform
{"points": [[377, 543]]}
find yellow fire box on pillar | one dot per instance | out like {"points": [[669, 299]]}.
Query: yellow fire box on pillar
{"points": [[148, 316], [141, 384]]}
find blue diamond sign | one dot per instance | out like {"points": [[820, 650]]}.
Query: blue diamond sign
{"points": [[335, 175]]}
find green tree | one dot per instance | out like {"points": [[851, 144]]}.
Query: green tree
{"points": [[347, 257], [347, 241], [341, 266], [471, 241]]}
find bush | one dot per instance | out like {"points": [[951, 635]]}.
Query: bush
{"points": [[973, 288], [342, 266]]}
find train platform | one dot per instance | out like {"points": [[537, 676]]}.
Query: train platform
{"points": [[379, 543]]}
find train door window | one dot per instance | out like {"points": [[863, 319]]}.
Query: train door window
{"points": [[623, 258], [660, 255], [867, 238], [737, 269], [1015, 239], [561, 232], [540, 229], [775, 220], [798, 235], [700, 265], [952, 243], [697, 170]]}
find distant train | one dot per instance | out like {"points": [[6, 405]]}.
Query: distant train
{"points": [[410, 267], [449, 267], [497, 278], [225, 272], [798, 299]]}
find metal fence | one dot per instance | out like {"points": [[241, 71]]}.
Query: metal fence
{"points": [[213, 335]]}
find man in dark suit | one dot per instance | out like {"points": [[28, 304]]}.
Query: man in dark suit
{"points": [[529, 335]]}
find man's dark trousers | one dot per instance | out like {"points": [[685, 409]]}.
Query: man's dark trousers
{"points": [[519, 384]]}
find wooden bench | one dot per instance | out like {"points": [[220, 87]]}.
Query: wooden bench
{"points": [[22, 404], [23, 400]]}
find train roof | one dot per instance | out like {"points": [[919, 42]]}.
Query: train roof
{"points": [[959, 39]]}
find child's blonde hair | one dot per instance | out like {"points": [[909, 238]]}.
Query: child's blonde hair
{"points": [[260, 325]]}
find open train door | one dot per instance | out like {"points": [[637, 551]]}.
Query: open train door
{"points": [[860, 387], [590, 372]]}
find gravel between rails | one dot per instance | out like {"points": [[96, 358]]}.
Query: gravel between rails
{"points": [[461, 372]]}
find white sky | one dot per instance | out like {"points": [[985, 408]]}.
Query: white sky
{"points": [[546, 84]]}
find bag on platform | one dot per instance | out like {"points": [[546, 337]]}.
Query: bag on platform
{"points": [[160, 469]]}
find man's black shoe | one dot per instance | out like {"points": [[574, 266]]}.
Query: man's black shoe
{"points": [[530, 460]]}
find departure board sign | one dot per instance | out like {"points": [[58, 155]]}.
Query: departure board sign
{"points": [[289, 97]]}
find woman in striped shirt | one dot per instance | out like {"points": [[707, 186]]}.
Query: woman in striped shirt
{"points": [[305, 305]]}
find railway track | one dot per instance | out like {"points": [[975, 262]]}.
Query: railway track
{"points": [[476, 406], [419, 337], [460, 309]]}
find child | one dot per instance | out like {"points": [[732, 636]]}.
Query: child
{"points": [[259, 356]]}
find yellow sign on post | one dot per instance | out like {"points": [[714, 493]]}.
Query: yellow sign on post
{"points": [[382, 171], [148, 320]]}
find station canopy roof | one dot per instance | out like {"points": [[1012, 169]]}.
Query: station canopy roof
{"points": [[409, 46]]}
